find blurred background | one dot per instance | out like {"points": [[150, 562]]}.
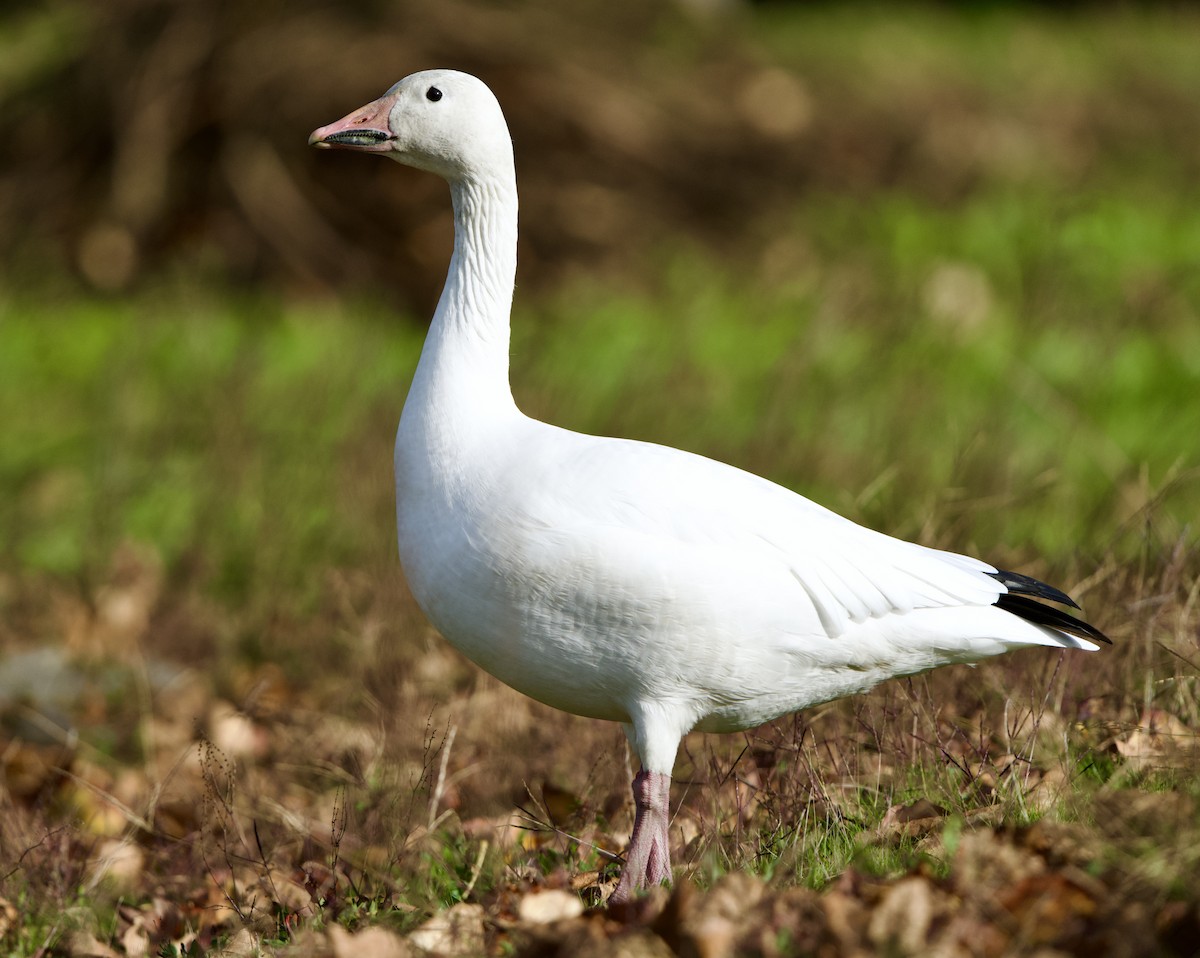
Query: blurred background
{"points": [[934, 265], [149, 137], [784, 212]]}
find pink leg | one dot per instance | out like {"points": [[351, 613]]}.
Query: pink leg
{"points": [[648, 860]]}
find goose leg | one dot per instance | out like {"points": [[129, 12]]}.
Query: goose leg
{"points": [[648, 860]]}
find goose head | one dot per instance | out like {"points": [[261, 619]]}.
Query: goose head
{"points": [[442, 121]]}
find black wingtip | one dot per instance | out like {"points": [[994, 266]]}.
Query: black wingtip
{"points": [[1028, 585], [1049, 616]]}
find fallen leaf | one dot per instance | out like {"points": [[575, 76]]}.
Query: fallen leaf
{"points": [[984, 859], [505, 831], [27, 769], [456, 931], [236, 734], [120, 862], [919, 810], [113, 623], [544, 907], [911, 821], [847, 919], [1160, 741], [83, 944], [243, 944], [560, 804], [264, 690], [368, 943], [1049, 908], [901, 922], [285, 891], [714, 936]]}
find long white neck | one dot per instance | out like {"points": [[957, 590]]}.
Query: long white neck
{"points": [[477, 300], [461, 385]]}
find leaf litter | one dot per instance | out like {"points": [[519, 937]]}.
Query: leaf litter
{"points": [[234, 813]]}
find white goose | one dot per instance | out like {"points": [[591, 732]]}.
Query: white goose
{"points": [[624, 580]]}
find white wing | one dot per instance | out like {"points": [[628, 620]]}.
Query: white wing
{"points": [[847, 573]]}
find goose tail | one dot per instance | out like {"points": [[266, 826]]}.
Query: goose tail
{"points": [[1020, 601]]}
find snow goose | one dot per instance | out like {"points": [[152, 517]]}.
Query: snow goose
{"points": [[624, 580]]}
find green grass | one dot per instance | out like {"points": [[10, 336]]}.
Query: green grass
{"points": [[1064, 394], [253, 435], [175, 427]]}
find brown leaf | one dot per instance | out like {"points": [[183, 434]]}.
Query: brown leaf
{"points": [[714, 937], [264, 690], [901, 922], [792, 922], [642, 910], [1160, 741], [504, 831], [1161, 816], [921, 809], [911, 821], [987, 860], [136, 941], [1058, 843], [243, 944], [368, 943], [1049, 908], [83, 944], [560, 804], [28, 768], [114, 622], [544, 907], [236, 734], [456, 931], [285, 891], [846, 917], [731, 896], [121, 862]]}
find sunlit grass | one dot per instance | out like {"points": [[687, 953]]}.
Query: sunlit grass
{"points": [[997, 376], [218, 432], [1006, 360], [929, 356]]}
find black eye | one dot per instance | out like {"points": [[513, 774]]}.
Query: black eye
{"points": [[433, 94]]}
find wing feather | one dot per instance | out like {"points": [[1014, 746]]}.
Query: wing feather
{"points": [[848, 573]]}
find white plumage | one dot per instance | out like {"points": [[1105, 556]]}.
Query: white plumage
{"points": [[623, 580]]}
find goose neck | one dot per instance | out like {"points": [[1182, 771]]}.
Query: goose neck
{"points": [[466, 353], [477, 299]]}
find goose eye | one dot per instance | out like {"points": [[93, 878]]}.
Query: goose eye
{"points": [[433, 94]]}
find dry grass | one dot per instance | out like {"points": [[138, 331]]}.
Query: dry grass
{"points": [[1047, 799]]}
